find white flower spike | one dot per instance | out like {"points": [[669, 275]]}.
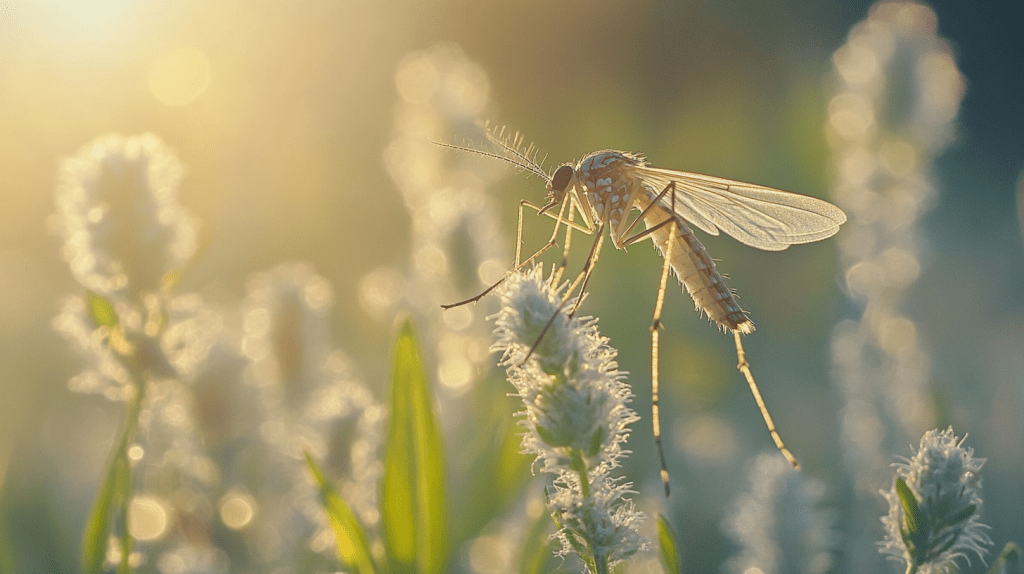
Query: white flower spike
{"points": [[576, 417], [934, 505]]}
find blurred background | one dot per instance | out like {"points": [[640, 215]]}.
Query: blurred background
{"points": [[293, 122]]}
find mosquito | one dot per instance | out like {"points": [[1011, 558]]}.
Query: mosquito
{"points": [[604, 187]]}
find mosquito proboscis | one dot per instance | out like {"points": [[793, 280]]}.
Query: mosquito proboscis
{"points": [[604, 187]]}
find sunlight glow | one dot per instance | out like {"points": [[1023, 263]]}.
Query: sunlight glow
{"points": [[381, 289], [180, 76], [899, 157], [94, 17], [490, 271]]}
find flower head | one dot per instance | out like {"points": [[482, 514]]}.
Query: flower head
{"points": [[780, 523], [118, 210], [576, 415], [575, 396], [934, 505]]}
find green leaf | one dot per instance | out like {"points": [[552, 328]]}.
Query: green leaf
{"points": [[113, 491], [101, 311], [911, 509], [671, 560], [959, 517], [102, 314], [498, 473], [1008, 561], [413, 493], [353, 548], [536, 548]]}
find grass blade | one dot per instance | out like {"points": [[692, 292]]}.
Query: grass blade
{"points": [[413, 493], [670, 557], [353, 548], [113, 491]]}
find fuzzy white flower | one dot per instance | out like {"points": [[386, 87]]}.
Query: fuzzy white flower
{"points": [[605, 522], [576, 417], [780, 523], [308, 395], [934, 505], [118, 210]]}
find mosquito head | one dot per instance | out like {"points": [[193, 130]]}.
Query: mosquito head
{"points": [[558, 185], [560, 181]]}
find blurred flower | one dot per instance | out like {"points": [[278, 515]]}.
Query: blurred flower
{"points": [[576, 417], [103, 373], [893, 112], [308, 399], [118, 210], [780, 523], [900, 92], [934, 505], [455, 230], [192, 329], [217, 455], [124, 231], [164, 344]]}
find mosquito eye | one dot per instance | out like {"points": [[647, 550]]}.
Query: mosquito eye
{"points": [[561, 179]]}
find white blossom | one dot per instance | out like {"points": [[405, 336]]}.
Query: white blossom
{"points": [[576, 416], [940, 523]]}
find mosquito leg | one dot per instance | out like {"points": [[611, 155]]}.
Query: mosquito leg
{"points": [[670, 187], [556, 276], [655, 326], [519, 243], [595, 250], [588, 269], [647, 232], [744, 367], [519, 235]]}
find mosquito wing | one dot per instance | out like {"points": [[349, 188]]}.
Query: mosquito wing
{"points": [[758, 216]]}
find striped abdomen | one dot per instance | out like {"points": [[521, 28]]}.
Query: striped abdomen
{"points": [[695, 269]]}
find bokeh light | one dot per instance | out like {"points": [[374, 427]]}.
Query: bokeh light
{"points": [[237, 510], [148, 518]]}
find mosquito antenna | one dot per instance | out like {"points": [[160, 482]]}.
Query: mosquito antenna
{"points": [[524, 158], [513, 145]]}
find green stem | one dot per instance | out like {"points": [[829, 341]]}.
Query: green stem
{"points": [[114, 496], [600, 561], [127, 437], [580, 466], [109, 514]]}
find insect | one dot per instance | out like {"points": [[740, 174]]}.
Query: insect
{"points": [[604, 187]]}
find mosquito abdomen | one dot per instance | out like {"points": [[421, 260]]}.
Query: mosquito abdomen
{"points": [[697, 272]]}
